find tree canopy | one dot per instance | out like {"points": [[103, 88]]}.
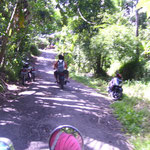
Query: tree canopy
{"points": [[93, 34]]}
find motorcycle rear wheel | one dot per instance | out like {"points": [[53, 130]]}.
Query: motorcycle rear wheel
{"points": [[33, 76], [23, 80], [116, 96], [61, 85]]}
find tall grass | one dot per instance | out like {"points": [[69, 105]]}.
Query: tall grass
{"points": [[138, 95]]}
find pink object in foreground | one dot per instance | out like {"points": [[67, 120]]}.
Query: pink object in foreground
{"points": [[65, 142]]}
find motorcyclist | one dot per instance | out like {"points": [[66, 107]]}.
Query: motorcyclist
{"points": [[61, 68], [116, 81], [64, 141]]}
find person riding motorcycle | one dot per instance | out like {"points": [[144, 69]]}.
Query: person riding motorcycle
{"points": [[116, 81], [61, 66]]}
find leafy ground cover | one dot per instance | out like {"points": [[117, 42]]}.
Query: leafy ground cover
{"points": [[133, 111]]}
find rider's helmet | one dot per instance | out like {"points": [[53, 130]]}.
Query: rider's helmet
{"points": [[118, 75], [25, 65], [61, 57]]}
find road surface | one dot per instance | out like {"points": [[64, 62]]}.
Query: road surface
{"points": [[29, 118]]}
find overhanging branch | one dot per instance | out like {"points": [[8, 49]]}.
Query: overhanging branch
{"points": [[84, 18]]}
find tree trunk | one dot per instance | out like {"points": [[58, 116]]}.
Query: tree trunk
{"points": [[98, 64], [5, 37], [99, 67], [3, 48], [137, 29]]}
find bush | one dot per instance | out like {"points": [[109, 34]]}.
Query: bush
{"points": [[41, 43], [128, 116], [1, 88], [11, 75], [132, 70], [12, 70], [34, 50]]}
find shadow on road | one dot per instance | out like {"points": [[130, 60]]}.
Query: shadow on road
{"points": [[29, 119]]}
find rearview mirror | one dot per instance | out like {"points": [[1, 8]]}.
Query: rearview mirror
{"points": [[66, 137]]}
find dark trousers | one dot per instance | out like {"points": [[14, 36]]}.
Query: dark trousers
{"points": [[66, 72]]}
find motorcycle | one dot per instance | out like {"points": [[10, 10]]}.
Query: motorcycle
{"points": [[62, 80], [33, 73], [27, 73], [62, 137], [116, 92], [66, 137], [61, 77]]}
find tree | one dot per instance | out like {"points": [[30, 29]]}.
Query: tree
{"points": [[20, 22], [6, 34], [116, 42], [145, 4]]}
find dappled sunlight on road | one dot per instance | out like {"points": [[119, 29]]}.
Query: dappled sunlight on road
{"points": [[46, 82], [61, 115], [91, 93], [98, 95], [50, 72], [98, 145], [37, 145], [27, 92], [42, 86], [43, 105], [74, 106], [75, 103], [8, 109], [40, 93], [7, 122], [60, 99], [45, 59]]}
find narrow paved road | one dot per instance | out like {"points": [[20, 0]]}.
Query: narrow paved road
{"points": [[29, 119]]}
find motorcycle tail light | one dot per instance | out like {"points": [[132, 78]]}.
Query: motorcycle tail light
{"points": [[24, 70], [62, 74]]}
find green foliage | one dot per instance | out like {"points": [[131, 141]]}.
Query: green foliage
{"points": [[44, 18], [145, 41], [41, 42], [141, 143], [133, 112], [114, 67], [116, 42], [89, 11], [131, 70], [1, 88], [130, 118], [139, 89], [12, 69], [11, 76], [146, 5], [34, 50]]}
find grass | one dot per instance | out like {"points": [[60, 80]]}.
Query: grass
{"points": [[133, 111]]}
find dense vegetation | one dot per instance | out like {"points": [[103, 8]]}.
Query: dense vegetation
{"points": [[21, 22], [97, 38]]}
